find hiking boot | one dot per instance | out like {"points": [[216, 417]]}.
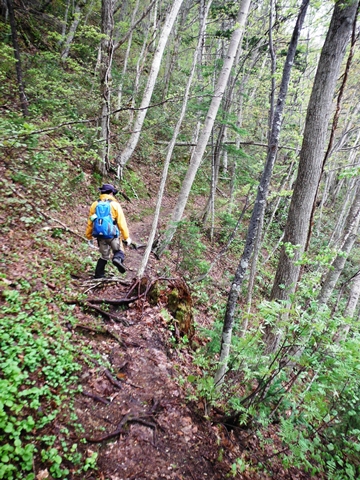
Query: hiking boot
{"points": [[100, 268], [118, 262]]}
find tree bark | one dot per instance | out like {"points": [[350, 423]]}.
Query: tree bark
{"points": [[172, 145], [207, 128], [334, 123], [15, 42], [311, 155], [260, 200], [123, 158]]}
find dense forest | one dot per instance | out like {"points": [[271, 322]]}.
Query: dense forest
{"points": [[230, 348]]}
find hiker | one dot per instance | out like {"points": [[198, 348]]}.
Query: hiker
{"points": [[106, 222]]}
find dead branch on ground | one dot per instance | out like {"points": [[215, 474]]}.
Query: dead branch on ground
{"points": [[96, 397], [41, 213]]}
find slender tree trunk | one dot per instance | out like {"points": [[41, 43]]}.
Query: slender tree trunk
{"points": [[260, 200], [350, 308], [335, 238], [15, 42], [349, 237], [259, 232], [287, 180], [208, 125], [311, 155], [72, 30], [118, 43], [225, 153], [170, 150], [123, 158], [221, 138], [139, 68], [107, 52], [126, 59], [253, 268], [64, 23]]}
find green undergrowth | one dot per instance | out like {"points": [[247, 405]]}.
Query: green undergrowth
{"points": [[40, 361], [39, 372], [308, 391]]}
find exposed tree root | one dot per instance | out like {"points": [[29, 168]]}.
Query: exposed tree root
{"points": [[126, 419]]}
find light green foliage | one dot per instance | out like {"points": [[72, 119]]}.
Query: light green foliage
{"points": [[134, 186], [310, 386], [7, 63], [189, 249]]}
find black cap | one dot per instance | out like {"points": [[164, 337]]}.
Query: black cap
{"points": [[108, 188]]}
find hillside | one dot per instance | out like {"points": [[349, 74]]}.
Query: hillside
{"points": [[234, 353], [119, 399]]}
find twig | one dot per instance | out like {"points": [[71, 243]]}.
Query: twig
{"points": [[90, 329], [113, 434], [108, 315], [96, 397], [98, 281]]}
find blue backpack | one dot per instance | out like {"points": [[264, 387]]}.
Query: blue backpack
{"points": [[103, 223]]}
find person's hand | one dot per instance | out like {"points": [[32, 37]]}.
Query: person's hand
{"points": [[128, 241]]}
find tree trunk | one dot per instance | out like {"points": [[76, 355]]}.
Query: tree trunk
{"points": [[72, 30], [139, 68], [259, 232], [107, 51], [64, 23], [349, 237], [260, 199], [123, 158], [208, 125], [126, 59], [350, 308], [170, 150], [23, 99], [311, 155], [335, 121]]}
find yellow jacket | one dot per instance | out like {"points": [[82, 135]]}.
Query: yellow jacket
{"points": [[116, 213]]}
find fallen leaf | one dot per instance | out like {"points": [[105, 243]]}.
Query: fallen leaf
{"points": [[42, 475]]}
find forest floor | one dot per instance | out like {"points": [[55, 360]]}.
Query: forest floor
{"points": [[141, 415]]}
